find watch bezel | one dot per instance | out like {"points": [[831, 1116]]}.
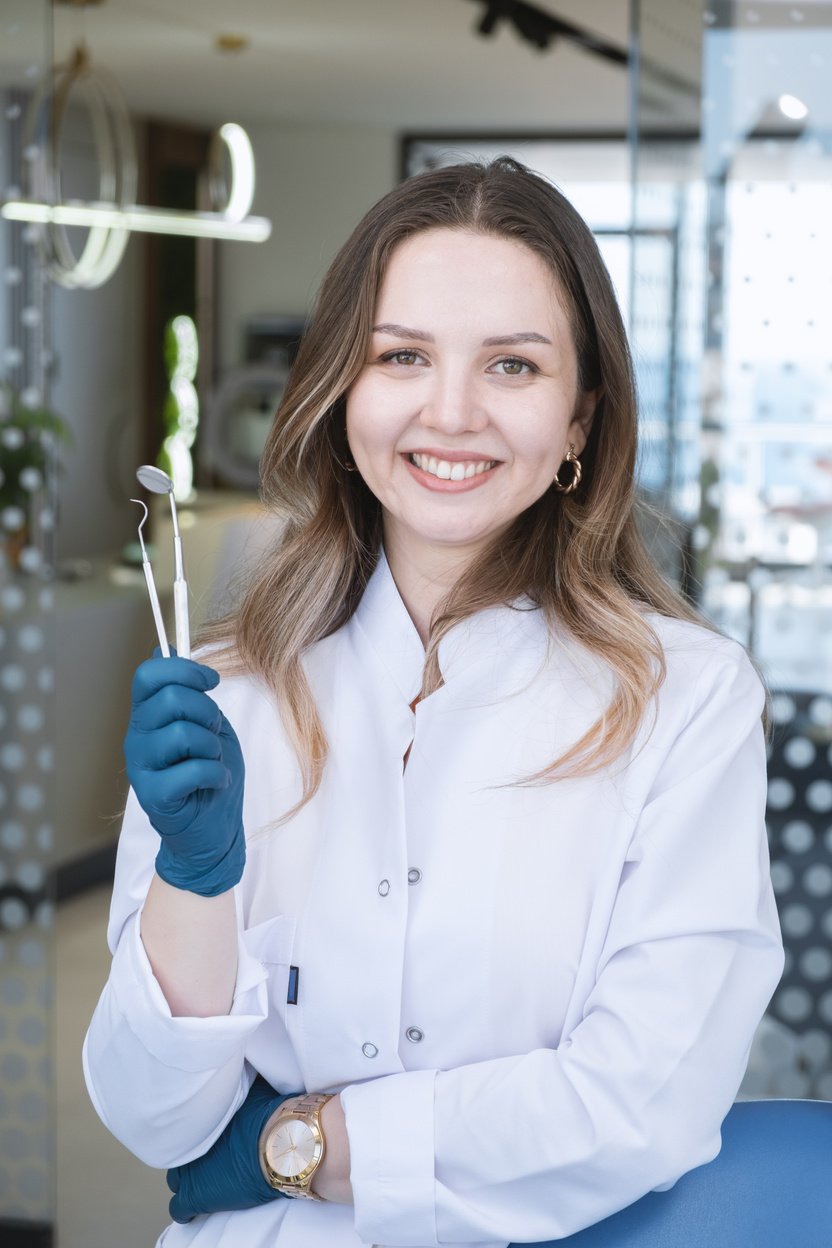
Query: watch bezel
{"points": [[302, 1179]]}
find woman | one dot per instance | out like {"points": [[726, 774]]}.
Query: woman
{"points": [[497, 875]]}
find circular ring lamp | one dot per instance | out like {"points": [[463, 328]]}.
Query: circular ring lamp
{"points": [[232, 196], [116, 161]]}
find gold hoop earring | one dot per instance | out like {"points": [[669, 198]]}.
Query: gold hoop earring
{"points": [[571, 458]]}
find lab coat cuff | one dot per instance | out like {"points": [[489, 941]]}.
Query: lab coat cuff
{"points": [[188, 1044], [390, 1126]]}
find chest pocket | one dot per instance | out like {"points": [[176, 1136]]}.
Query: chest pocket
{"points": [[271, 943]]}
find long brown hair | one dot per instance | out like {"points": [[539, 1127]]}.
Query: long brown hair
{"points": [[578, 556]]}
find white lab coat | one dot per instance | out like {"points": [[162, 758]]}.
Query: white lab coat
{"points": [[538, 1001]]}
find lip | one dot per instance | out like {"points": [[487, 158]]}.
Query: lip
{"points": [[436, 484]]}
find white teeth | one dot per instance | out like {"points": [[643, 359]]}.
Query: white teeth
{"points": [[446, 471]]}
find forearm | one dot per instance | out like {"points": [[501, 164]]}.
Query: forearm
{"points": [[166, 1086], [191, 943]]}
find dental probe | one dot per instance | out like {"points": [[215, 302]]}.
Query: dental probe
{"points": [[151, 586]]}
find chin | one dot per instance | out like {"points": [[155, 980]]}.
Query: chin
{"points": [[449, 539]]}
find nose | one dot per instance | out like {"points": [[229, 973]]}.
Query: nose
{"points": [[452, 405]]}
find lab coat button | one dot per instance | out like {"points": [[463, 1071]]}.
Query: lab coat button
{"points": [[414, 875], [384, 888], [414, 1035], [369, 1050]]}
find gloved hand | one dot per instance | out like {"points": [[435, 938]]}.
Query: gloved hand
{"points": [[186, 768], [228, 1176]]}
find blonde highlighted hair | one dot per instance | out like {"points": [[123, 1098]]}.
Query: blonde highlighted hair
{"points": [[578, 556]]}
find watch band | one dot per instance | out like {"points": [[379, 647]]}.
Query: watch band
{"points": [[309, 1102]]}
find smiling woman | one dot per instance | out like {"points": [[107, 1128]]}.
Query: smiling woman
{"points": [[444, 911], [580, 557]]}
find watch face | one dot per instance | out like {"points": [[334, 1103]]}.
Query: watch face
{"points": [[293, 1148]]}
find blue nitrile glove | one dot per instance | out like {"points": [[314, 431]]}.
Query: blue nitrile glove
{"points": [[229, 1174], [186, 768]]}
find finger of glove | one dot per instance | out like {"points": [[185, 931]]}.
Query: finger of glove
{"points": [[154, 674], [177, 1213], [179, 1208], [174, 703], [231, 752], [176, 1180], [166, 791], [156, 751]]}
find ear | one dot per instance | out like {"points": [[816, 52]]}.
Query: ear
{"points": [[583, 416]]}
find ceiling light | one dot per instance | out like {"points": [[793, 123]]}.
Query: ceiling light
{"points": [[541, 28], [137, 220], [793, 108], [239, 192], [113, 215], [531, 23], [116, 166]]}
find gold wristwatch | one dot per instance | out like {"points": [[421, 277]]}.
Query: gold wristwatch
{"points": [[293, 1147]]}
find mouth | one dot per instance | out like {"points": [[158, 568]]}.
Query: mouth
{"points": [[448, 470]]}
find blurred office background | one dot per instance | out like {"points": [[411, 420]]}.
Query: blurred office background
{"points": [[695, 137]]}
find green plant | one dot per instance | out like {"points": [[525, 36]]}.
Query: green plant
{"points": [[29, 442]]}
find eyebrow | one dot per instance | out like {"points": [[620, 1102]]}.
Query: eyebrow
{"points": [[502, 340]]}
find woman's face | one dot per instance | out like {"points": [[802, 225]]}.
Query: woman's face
{"points": [[468, 400]]}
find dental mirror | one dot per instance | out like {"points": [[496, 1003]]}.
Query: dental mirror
{"points": [[154, 479], [158, 482]]}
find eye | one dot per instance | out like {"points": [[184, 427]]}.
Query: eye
{"points": [[513, 366], [405, 357]]}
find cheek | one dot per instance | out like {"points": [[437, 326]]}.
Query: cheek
{"points": [[370, 443], [538, 440], [374, 419]]}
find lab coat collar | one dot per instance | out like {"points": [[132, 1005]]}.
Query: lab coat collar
{"points": [[501, 637], [384, 620]]}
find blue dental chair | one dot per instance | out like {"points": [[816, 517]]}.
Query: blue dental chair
{"points": [[769, 1187]]}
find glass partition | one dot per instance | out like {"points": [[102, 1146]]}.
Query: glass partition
{"points": [[767, 421], [734, 337], [667, 277], [28, 439]]}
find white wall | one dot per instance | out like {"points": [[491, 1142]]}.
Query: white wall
{"points": [[96, 338], [315, 182]]}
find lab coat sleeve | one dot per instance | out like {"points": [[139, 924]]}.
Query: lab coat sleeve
{"points": [[537, 1146], [164, 1086]]}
